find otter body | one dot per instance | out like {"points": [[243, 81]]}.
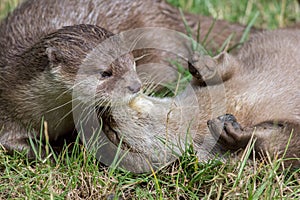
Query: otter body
{"points": [[259, 87], [38, 84], [35, 18], [39, 58]]}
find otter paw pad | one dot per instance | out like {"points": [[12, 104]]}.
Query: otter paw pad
{"points": [[228, 132]]}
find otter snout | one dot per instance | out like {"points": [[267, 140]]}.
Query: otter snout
{"points": [[135, 87]]}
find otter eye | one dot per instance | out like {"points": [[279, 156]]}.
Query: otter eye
{"points": [[106, 74]]}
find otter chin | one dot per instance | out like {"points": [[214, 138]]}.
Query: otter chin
{"points": [[111, 131]]}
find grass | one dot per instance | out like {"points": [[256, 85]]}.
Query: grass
{"points": [[7, 6], [78, 175], [81, 176], [273, 14]]}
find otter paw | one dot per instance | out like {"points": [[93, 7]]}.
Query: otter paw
{"points": [[202, 67], [228, 132]]}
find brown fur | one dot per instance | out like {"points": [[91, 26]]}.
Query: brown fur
{"points": [[33, 42], [263, 93], [35, 18], [38, 83]]}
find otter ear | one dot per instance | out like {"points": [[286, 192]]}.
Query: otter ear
{"points": [[226, 59], [54, 55], [227, 65]]}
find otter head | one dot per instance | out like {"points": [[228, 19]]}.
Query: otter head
{"points": [[94, 72], [150, 132], [69, 65]]}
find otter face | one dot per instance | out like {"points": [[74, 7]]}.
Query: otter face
{"points": [[139, 129], [108, 83], [119, 81], [92, 66], [150, 130], [84, 76]]}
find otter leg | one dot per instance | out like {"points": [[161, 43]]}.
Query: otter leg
{"points": [[208, 70], [228, 132], [16, 138], [271, 137]]}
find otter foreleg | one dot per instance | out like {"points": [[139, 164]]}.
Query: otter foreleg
{"points": [[208, 70], [15, 138], [271, 137]]}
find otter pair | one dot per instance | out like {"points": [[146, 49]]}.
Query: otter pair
{"points": [[41, 62], [39, 73]]}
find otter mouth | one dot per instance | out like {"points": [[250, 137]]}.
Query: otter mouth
{"points": [[109, 128]]}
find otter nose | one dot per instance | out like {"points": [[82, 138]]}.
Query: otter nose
{"points": [[135, 87]]}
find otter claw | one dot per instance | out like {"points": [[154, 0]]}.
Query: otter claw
{"points": [[228, 132], [202, 67]]}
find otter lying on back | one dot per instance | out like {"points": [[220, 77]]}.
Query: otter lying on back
{"points": [[38, 83], [259, 87]]}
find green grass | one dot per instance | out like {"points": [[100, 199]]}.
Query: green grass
{"points": [[78, 175], [273, 14], [7, 6]]}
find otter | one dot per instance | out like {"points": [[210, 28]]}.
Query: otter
{"points": [[35, 18], [37, 65], [37, 84], [115, 16], [254, 93]]}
